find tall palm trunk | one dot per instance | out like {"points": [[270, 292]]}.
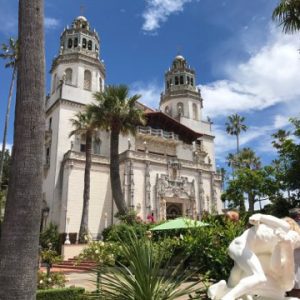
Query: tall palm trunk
{"points": [[251, 200], [115, 172], [237, 144], [6, 124], [20, 231], [86, 191]]}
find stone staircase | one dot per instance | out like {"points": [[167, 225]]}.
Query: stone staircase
{"points": [[71, 265]]}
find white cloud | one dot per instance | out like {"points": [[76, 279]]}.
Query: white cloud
{"points": [[270, 76], [158, 11], [150, 93], [51, 23]]}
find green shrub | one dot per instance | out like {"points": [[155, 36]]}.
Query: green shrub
{"points": [[50, 236], [60, 294]]}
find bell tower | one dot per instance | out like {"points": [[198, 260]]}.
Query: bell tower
{"points": [[77, 72], [182, 99]]}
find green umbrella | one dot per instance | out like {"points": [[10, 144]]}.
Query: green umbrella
{"points": [[179, 223]]}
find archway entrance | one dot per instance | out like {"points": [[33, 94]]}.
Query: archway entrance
{"points": [[174, 210]]}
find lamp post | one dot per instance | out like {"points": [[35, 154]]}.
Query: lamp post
{"points": [[67, 241]]}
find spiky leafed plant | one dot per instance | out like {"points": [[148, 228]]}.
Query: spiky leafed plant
{"points": [[235, 126], [21, 226], [84, 125], [287, 13], [114, 110], [9, 53], [144, 277]]}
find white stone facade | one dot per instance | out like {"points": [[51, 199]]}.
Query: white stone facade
{"points": [[163, 173]]}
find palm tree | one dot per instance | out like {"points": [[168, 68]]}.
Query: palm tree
{"points": [[83, 125], [114, 110], [287, 13], [10, 53], [235, 126], [20, 231], [248, 159], [147, 276]]}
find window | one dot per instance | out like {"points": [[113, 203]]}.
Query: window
{"points": [[192, 81], [100, 84], [48, 156], [82, 147], [87, 80], [181, 79], [168, 85], [176, 80], [83, 43], [180, 110], [96, 145], [195, 112], [69, 73], [90, 45], [188, 80], [75, 42], [50, 124], [54, 83], [70, 43]]}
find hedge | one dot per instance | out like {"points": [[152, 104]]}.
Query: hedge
{"points": [[60, 294]]}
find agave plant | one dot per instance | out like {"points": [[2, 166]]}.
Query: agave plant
{"points": [[144, 278]]}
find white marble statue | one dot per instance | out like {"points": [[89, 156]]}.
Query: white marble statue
{"points": [[263, 261]]}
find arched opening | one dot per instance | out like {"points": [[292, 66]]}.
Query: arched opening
{"points": [[195, 112], [180, 110], [176, 80], [192, 81], [188, 80], [87, 80], [75, 42], [84, 43], [69, 75], [181, 79], [100, 84], [70, 43], [90, 45], [167, 110], [54, 83]]}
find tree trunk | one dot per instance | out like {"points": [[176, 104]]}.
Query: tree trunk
{"points": [[20, 231], [237, 144], [6, 123], [115, 173], [86, 191], [251, 200]]}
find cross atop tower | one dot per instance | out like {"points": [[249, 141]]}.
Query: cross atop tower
{"points": [[82, 10]]}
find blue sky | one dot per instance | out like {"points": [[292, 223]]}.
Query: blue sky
{"points": [[244, 63]]}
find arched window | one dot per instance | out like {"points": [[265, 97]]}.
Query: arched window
{"points": [[181, 79], [69, 74], [100, 84], [70, 43], [167, 110], [83, 43], [176, 80], [180, 110], [195, 112], [75, 42], [87, 80], [54, 83], [90, 45], [192, 81], [188, 80]]}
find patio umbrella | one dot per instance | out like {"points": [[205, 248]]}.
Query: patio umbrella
{"points": [[179, 223]]}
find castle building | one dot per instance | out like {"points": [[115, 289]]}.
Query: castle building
{"points": [[167, 169]]}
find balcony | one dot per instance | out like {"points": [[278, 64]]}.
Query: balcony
{"points": [[157, 133]]}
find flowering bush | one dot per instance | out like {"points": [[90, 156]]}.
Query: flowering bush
{"points": [[100, 252], [54, 280]]}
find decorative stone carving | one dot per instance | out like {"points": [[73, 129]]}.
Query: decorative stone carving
{"points": [[214, 195], [147, 190], [180, 187], [201, 193], [264, 261]]}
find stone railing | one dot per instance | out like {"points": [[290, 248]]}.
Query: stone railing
{"points": [[80, 156]]}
